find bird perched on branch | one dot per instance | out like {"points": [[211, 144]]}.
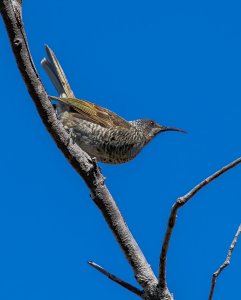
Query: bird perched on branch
{"points": [[98, 131]]}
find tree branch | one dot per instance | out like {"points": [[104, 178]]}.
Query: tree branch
{"points": [[225, 264], [116, 279], [173, 215], [81, 162]]}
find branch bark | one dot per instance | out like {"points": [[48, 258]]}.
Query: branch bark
{"points": [[11, 11], [225, 264], [173, 215]]}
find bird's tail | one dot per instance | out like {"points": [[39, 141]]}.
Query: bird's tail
{"points": [[56, 74]]}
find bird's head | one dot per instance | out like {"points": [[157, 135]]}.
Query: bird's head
{"points": [[151, 128]]}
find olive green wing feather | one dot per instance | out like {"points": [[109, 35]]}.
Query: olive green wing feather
{"points": [[94, 113]]}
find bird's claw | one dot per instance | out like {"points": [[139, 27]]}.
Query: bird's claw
{"points": [[71, 136]]}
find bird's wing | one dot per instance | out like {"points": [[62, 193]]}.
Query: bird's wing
{"points": [[94, 113]]}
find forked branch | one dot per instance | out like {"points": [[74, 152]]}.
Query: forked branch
{"points": [[88, 169], [173, 215], [225, 264], [81, 162]]}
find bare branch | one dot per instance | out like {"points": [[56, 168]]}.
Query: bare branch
{"points": [[173, 215], [116, 279], [225, 264], [81, 162]]}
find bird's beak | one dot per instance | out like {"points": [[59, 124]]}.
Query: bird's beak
{"points": [[166, 128]]}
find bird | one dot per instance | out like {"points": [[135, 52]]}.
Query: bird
{"points": [[101, 133]]}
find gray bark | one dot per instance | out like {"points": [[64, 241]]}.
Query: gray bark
{"points": [[11, 12]]}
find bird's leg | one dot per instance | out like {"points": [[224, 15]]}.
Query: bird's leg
{"points": [[96, 166], [72, 136]]}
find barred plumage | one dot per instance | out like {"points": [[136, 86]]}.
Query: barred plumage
{"points": [[98, 131]]}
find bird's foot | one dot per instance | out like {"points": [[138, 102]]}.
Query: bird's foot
{"points": [[72, 136]]}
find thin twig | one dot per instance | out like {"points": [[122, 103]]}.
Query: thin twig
{"points": [[225, 264], [80, 161], [116, 279], [173, 215]]}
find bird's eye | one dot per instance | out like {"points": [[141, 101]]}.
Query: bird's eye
{"points": [[152, 123]]}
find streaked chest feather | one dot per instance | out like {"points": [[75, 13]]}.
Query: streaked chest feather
{"points": [[109, 145]]}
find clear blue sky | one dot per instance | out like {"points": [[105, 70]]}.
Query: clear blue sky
{"points": [[177, 62]]}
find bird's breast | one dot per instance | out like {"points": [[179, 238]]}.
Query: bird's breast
{"points": [[113, 145]]}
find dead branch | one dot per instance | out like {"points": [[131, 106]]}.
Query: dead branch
{"points": [[225, 264], [81, 162], [173, 215], [11, 11], [116, 279]]}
